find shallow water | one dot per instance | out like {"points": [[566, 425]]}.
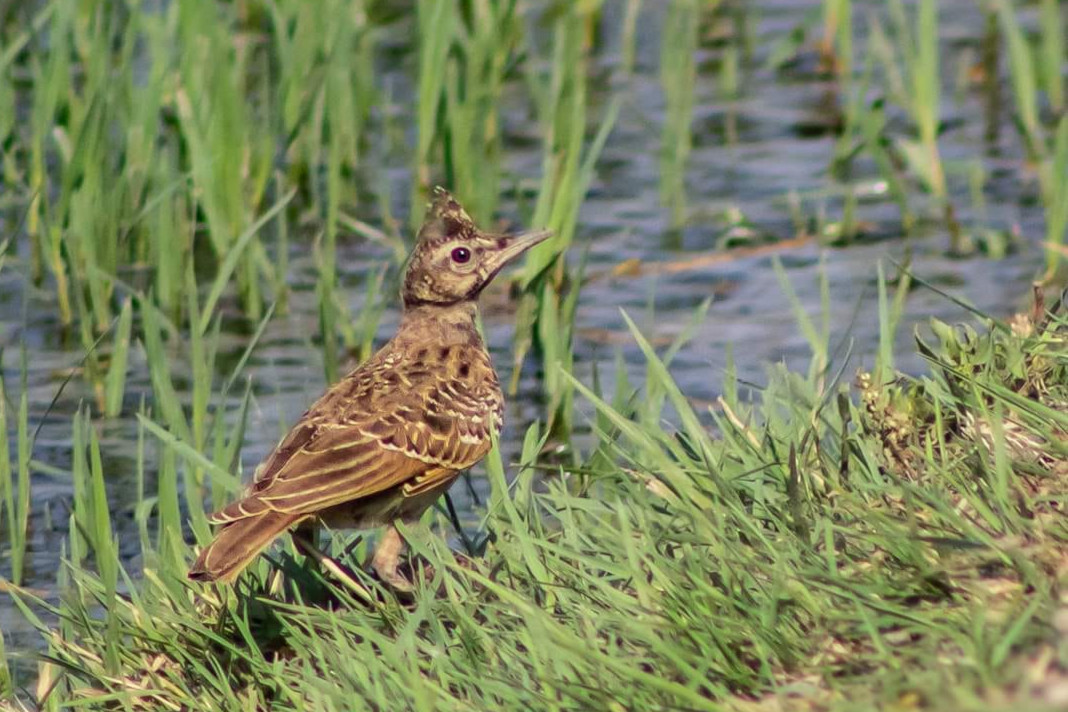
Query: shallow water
{"points": [[783, 144]]}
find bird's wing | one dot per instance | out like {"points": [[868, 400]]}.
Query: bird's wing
{"points": [[369, 434]]}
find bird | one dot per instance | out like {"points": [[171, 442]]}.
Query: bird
{"points": [[383, 443]]}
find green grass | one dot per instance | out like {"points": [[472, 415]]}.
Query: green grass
{"points": [[836, 45], [1046, 146], [824, 548], [546, 311], [902, 71], [909, 58], [811, 544], [678, 79], [15, 471]]}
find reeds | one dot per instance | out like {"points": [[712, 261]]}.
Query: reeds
{"points": [[678, 80], [904, 49], [146, 140], [546, 311], [911, 62], [15, 472], [464, 56], [1046, 145]]}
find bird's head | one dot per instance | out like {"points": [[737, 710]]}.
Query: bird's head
{"points": [[453, 260]]}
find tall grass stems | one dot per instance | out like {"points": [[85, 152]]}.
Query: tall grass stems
{"points": [[919, 93], [678, 79], [1047, 148], [15, 470], [836, 45], [568, 162]]}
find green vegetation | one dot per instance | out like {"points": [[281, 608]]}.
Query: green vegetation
{"points": [[15, 474], [808, 544], [827, 546], [678, 76], [1047, 147]]}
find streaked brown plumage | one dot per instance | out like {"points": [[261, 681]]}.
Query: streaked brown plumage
{"points": [[384, 442]]}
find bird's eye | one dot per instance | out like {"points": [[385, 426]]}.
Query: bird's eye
{"points": [[461, 255]]}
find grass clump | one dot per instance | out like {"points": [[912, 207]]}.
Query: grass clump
{"points": [[824, 547]]}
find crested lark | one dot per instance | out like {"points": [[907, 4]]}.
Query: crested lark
{"points": [[387, 440]]}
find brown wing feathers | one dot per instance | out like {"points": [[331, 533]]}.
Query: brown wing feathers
{"points": [[237, 544]]}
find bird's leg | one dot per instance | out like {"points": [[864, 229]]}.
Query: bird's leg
{"points": [[339, 571], [306, 536], [386, 560]]}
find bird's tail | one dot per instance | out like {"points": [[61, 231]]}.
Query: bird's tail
{"points": [[237, 544]]}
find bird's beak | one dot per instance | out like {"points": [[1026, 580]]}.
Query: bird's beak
{"points": [[515, 245]]}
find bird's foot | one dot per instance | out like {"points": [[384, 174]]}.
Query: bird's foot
{"points": [[387, 559], [394, 579]]}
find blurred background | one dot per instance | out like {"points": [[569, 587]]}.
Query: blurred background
{"points": [[204, 205]]}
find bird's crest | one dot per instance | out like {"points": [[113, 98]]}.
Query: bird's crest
{"points": [[446, 219]]}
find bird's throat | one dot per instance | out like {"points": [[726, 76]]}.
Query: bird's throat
{"points": [[441, 323]]}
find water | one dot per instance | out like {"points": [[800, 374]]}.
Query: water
{"points": [[784, 142]]}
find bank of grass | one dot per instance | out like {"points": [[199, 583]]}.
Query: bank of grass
{"points": [[826, 545]]}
